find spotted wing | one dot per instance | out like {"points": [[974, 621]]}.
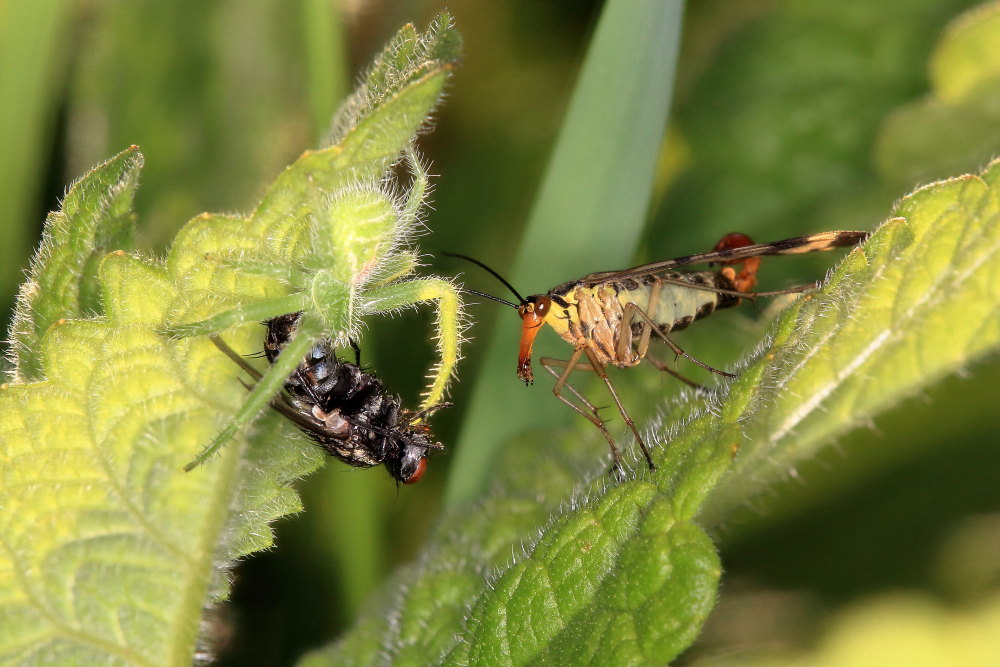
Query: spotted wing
{"points": [[793, 246]]}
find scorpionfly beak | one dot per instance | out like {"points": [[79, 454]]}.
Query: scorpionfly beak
{"points": [[530, 324]]}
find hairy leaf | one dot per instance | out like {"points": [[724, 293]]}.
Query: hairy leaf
{"points": [[919, 303], [622, 573], [96, 218], [111, 551]]}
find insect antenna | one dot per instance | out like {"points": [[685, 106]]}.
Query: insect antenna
{"points": [[232, 354], [505, 302], [496, 275]]}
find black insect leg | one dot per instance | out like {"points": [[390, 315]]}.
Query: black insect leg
{"points": [[421, 415], [240, 361], [290, 412]]}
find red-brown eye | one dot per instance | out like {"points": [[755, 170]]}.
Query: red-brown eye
{"points": [[542, 306], [418, 473]]}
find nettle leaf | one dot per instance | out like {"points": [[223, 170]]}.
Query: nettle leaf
{"points": [[622, 573], [96, 217], [111, 551], [918, 304]]}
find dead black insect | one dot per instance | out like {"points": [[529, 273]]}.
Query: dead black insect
{"points": [[344, 409]]}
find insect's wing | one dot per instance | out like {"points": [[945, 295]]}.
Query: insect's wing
{"points": [[794, 246], [307, 423]]}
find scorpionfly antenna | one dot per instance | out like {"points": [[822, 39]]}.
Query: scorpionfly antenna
{"points": [[496, 275]]}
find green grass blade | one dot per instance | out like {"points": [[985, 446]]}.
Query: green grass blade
{"points": [[325, 60], [589, 213], [32, 49]]}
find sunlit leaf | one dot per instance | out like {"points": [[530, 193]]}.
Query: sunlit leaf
{"points": [[111, 551]]}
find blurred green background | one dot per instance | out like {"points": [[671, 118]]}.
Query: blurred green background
{"points": [[789, 118]]}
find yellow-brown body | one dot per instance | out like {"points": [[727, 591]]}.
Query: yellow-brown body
{"points": [[593, 316]]}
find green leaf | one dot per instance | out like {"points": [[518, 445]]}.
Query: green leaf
{"points": [[919, 304], [623, 573], [111, 551], [371, 127], [408, 59], [95, 219], [967, 58], [617, 579], [956, 124]]}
